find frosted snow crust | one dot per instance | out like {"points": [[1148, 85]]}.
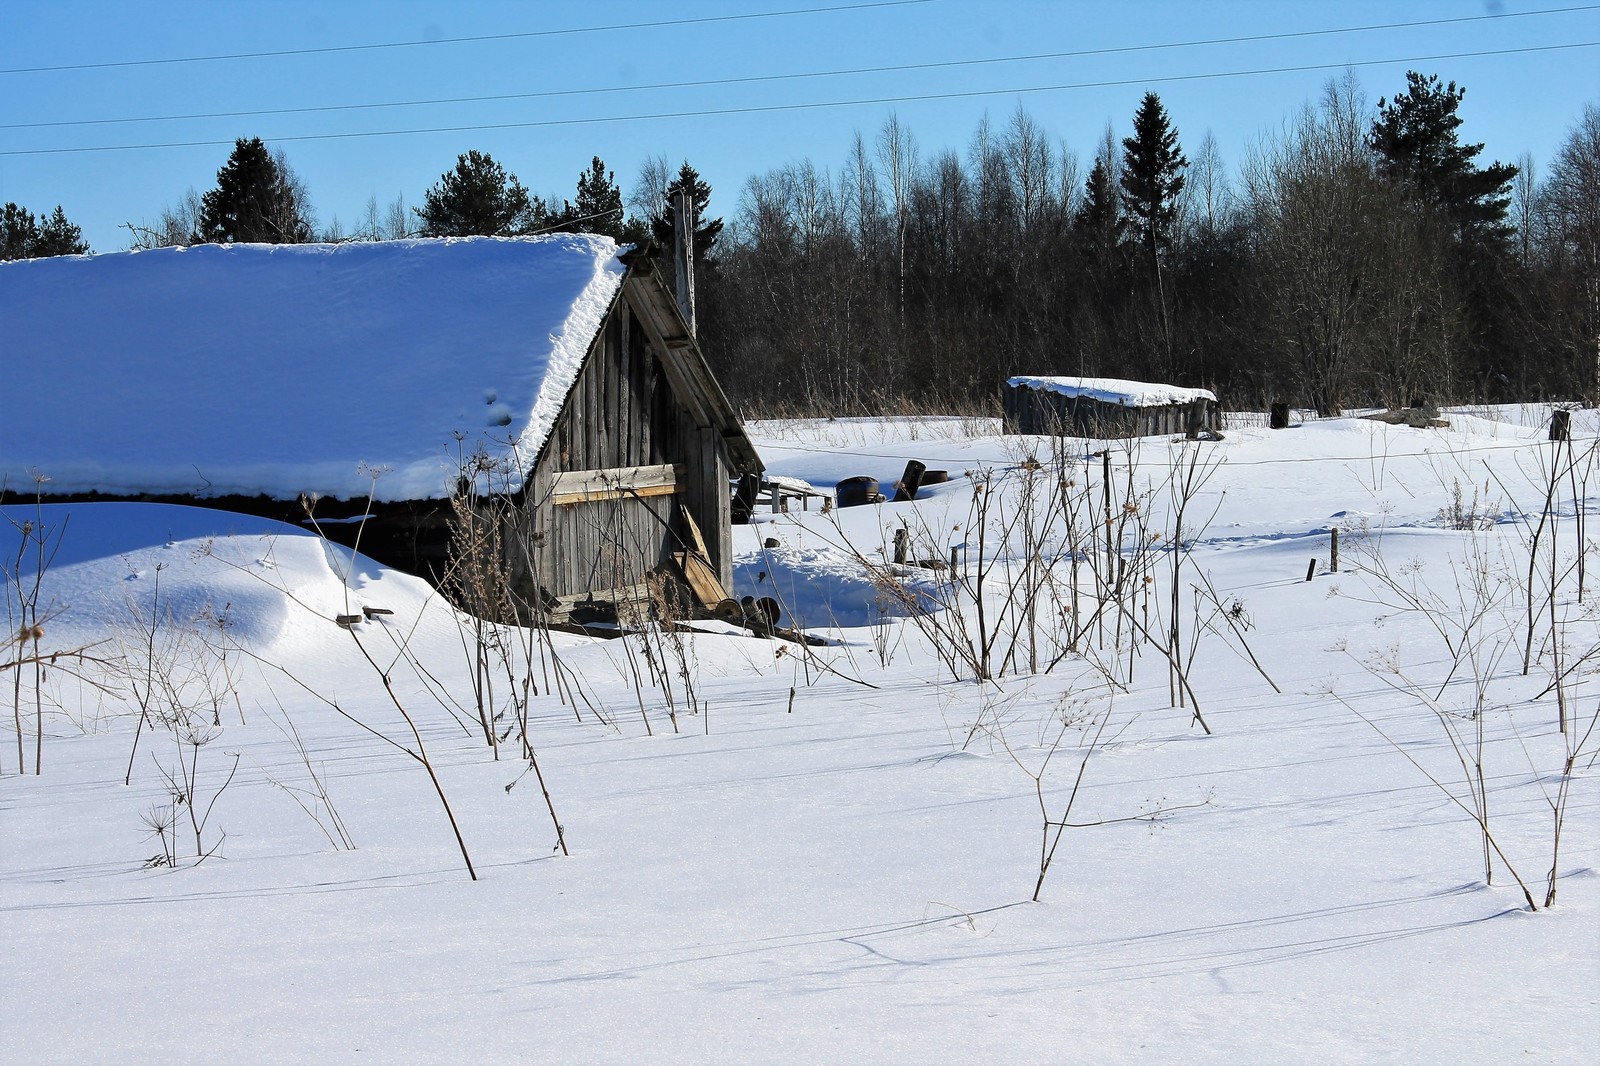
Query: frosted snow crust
{"points": [[1114, 390]]}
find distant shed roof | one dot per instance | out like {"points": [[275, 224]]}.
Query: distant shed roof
{"points": [[1114, 390], [280, 369]]}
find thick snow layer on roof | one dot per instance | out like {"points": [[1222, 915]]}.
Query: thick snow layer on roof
{"points": [[1115, 390], [282, 369]]}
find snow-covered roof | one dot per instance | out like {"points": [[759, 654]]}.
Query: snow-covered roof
{"points": [[1114, 390], [281, 369]]}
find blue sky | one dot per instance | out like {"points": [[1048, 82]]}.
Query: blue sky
{"points": [[589, 80]]}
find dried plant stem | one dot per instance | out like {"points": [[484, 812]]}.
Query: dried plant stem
{"points": [[421, 753]]}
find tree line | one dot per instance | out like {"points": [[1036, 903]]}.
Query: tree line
{"points": [[1363, 256]]}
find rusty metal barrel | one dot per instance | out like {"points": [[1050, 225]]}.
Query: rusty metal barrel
{"points": [[855, 491]]}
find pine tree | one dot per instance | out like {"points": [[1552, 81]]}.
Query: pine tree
{"points": [[479, 198], [599, 205], [23, 236], [57, 236], [257, 200], [1152, 177], [19, 232], [1417, 141]]}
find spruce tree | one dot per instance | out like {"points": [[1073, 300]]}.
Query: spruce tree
{"points": [[1097, 219], [257, 200], [479, 198], [663, 228], [1152, 177]]}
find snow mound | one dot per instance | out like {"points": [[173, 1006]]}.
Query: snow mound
{"points": [[827, 588], [251, 581]]}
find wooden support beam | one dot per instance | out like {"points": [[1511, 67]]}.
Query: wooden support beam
{"points": [[702, 580]]}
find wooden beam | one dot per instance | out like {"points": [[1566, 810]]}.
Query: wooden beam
{"points": [[587, 486], [684, 365], [702, 580], [697, 542]]}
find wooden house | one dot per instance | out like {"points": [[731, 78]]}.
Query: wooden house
{"points": [[1106, 408], [385, 390]]}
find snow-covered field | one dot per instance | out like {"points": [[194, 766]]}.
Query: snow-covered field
{"points": [[832, 854]]}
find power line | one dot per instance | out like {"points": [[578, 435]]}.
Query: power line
{"points": [[770, 78], [468, 40], [756, 109]]}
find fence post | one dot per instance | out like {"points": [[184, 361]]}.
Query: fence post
{"points": [[1105, 478]]}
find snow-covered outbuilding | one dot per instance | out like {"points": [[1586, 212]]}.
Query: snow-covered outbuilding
{"points": [[1106, 407], [384, 379]]}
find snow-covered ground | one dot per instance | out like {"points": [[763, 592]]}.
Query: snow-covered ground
{"points": [[832, 854]]}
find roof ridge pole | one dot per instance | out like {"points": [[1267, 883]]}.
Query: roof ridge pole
{"points": [[683, 223]]}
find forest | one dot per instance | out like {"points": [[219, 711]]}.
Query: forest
{"points": [[1362, 255]]}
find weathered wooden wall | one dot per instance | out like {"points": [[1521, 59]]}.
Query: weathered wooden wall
{"points": [[623, 412]]}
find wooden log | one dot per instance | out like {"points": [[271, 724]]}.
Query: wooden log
{"points": [[902, 544], [768, 608], [906, 490], [1560, 425]]}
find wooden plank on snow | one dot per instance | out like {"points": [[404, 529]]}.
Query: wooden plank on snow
{"points": [[701, 578]]}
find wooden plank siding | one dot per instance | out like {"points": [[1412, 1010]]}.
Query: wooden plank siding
{"points": [[637, 413]]}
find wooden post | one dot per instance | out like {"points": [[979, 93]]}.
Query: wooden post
{"points": [[1280, 416], [1560, 424], [683, 254], [749, 490], [776, 495], [902, 543], [1333, 562], [1311, 571], [1105, 478]]}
